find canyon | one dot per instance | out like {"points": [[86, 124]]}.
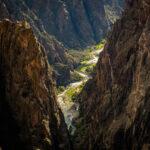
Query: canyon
{"points": [[70, 107], [74, 75], [61, 25]]}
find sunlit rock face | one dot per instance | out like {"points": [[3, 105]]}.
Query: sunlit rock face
{"points": [[29, 114], [115, 104], [113, 10], [56, 52], [77, 23], [19, 10]]}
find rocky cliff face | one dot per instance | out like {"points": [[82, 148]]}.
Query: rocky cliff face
{"points": [[57, 54], [19, 10], [77, 23], [115, 104], [29, 114]]}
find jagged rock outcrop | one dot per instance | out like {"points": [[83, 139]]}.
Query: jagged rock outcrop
{"points": [[115, 104], [29, 115], [19, 10], [56, 52]]}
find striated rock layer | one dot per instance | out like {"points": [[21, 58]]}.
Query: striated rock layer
{"points": [[115, 104], [77, 23], [29, 114]]}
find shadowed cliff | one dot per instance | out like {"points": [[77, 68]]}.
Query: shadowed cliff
{"points": [[29, 114], [115, 104]]}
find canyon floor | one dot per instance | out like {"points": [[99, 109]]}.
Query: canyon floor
{"points": [[69, 106]]}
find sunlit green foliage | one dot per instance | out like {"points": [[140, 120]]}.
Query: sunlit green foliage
{"points": [[86, 68], [60, 89], [75, 77], [72, 92], [100, 45], [83, 58]]}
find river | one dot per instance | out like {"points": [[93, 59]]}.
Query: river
{"points": [[69, 108]]}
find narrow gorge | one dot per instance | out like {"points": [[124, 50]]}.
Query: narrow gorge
{"points": [[74, 74]]}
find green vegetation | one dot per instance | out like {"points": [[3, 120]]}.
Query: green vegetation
{"points": [[78, 56], [86, 61], [85, 65], [75, 77], [60, 89], [82, 57], [100, 45], [86, 68], [72, 92]]}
